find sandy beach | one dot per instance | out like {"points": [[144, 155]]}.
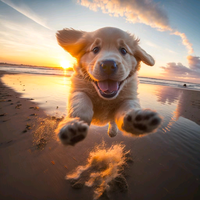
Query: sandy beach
{"points": [[166, 164]]}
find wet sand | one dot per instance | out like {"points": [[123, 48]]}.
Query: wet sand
{"points": [[164, 167]]}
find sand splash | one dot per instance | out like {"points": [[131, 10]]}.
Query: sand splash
{"points": [[104, 169], [45, 131]]}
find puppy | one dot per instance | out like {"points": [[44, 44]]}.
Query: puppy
{"points": [[104, 84]]}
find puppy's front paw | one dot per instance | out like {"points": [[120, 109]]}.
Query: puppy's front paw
{"points": [[141, 121], [72, 132]]}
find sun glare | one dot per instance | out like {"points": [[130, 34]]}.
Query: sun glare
{"points": [[65, 64]]}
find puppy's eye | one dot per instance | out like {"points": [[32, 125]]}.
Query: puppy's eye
{"points": [[96, 50], [123, 51]]}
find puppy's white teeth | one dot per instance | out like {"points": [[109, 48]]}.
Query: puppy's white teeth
{"points": [[108, 92]]}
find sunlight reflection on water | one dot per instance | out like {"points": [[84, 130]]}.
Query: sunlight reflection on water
{"points": [[46, 90]]}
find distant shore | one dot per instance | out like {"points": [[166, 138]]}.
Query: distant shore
{"points": [[32, 66], [24, 65]]}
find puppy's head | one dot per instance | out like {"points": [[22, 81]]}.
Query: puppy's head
{"points": [[108, 57]]}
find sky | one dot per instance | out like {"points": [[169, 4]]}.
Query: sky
{"points": [[168, 30]]}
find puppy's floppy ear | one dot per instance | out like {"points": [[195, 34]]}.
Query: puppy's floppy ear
{"points": [[144, 57], [71, 40]]}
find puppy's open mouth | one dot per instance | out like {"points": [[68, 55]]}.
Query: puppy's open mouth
{"points": [[108, 88]]}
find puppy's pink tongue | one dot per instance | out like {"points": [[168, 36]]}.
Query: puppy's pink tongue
{"points": [[108, 85]]}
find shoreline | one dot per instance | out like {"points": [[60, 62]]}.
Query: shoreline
{"points": [[16, 110]]}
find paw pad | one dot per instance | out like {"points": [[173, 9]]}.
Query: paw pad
{"points": [[141, 127], [129, 118], [73, 132], [141, 121], [138, 118], [155, 122]]}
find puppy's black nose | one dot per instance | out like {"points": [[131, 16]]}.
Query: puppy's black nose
{"points": [[108, 67]]}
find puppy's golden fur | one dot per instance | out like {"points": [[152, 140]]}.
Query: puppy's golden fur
{"points": [[99, 96]]}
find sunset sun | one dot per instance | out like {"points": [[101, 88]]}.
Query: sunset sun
{"points": [[65, 64]]}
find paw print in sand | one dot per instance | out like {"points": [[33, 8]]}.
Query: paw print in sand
{"points": [[141, 121], [73, 132]]}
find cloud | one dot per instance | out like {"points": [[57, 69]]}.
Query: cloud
{"points": [[138, 11], [184, 41], [19, 36], [17, 40], [178, 70], [26, 11], [194, 63], [135, 11], [170, 51], [152, 44]]}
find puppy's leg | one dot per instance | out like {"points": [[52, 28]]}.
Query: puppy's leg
{"points": [[131, 118], [74, 128], [80, 105], [112, 129]]}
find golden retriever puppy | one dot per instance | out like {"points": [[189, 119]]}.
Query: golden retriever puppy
{"points": [[104, 84]]}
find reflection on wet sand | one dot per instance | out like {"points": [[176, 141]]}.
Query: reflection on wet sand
{"points": [[189, 106], [167, 94], [49, 91], [188, 102]]}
